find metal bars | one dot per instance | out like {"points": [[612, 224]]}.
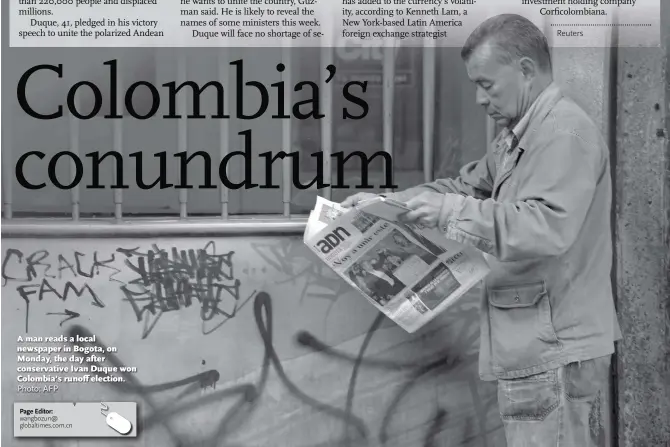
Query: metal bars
{"points": [[117, 142], [182, 129], [326, 88], [428, 110], [7, 162], [287, 135], [74, 148], [388, 80], [225, 224], [224, 126]]}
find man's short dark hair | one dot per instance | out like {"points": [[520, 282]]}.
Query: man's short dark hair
{"points": [[514, 36]]}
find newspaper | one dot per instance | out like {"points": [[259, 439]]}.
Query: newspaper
{"points": [[409, 273]]}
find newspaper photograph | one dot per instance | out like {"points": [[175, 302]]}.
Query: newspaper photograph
{"points": [[409, 273]]}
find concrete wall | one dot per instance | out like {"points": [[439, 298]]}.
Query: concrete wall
{"points": [[627, 92], [267, 349], [643, 241]]}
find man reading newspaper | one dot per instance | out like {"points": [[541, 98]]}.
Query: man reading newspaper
{"points": [[409, 273], [538, 204]]}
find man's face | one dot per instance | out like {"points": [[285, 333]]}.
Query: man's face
{"points": [[501, 88]]}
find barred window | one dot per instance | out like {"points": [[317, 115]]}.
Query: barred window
{"points": [[421, 113]]}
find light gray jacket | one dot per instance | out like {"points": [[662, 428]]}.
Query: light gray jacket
{"points": [[544, 222]]}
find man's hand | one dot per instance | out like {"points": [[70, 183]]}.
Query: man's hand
{"points": [[425, 209], [351, 201]]}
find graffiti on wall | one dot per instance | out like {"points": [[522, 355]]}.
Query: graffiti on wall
{"points": [[246, 397], [155, 281], [167, 281], [152, 282]]}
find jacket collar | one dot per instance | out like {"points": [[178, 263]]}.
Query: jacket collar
{"points": [[535, 114]]}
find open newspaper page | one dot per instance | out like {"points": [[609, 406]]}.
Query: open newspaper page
{"points": [[408, 273]]}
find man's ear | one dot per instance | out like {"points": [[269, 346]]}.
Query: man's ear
{"points": [[528, 68]]}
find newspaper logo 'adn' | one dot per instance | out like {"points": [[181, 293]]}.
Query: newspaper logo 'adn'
{"points": [[332, 240]]}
